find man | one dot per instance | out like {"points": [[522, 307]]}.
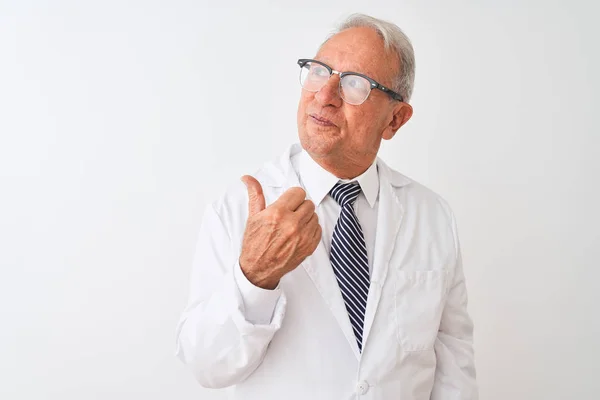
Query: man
{"points": [[329, 275]]}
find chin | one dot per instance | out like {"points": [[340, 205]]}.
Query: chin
{"points": [[317, 142]]}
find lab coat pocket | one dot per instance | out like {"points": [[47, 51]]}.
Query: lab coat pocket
{"points": [[419, 302]]}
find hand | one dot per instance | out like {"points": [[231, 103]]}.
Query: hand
{"points": [[277, 238]]}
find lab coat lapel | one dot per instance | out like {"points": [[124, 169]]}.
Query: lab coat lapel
{"points": [[389, 219], [318, 267]]}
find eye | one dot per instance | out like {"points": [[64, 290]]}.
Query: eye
{"points": [[318, 70], [355, 82]]}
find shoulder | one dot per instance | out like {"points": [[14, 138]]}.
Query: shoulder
{"points": [[232, 205], [424, 209], [414, 194]]}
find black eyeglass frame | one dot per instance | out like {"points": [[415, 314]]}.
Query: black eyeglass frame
{"points": [[374, 84]]}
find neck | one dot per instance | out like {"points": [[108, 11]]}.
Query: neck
{"points": [[346, 169]]}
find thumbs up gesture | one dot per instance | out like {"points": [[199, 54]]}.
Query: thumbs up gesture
{"points": [[279, 237]]}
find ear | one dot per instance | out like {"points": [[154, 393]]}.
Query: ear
{"points": [[401, 114]]}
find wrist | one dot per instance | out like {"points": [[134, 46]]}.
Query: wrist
{"points": [[258, 278]]}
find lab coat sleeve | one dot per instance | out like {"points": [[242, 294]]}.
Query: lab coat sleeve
{"points": [[455, 370], [224, 332]]}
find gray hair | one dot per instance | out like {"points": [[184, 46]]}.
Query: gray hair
{"points": [[393, 38]]}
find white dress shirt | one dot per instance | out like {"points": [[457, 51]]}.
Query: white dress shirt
{"points": [[317, 182]]}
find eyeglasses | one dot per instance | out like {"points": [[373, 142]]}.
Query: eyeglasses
{"points": [[354, 87]]}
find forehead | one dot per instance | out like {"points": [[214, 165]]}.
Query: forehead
{"points": [[359, 50]]}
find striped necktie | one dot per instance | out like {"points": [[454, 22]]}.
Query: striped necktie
{"points": [[349, 257]]}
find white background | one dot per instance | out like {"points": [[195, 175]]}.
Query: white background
{"points": [[120, 121]]}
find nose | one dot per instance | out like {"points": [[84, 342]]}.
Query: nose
{"points": [[329, 94]]}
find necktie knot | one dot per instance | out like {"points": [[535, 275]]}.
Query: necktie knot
{"points": [[345, 193]]}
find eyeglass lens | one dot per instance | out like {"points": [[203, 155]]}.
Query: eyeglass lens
{"points": [[353, 89]]}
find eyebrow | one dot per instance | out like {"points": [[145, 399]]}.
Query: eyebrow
{"points": [[350, 70]]}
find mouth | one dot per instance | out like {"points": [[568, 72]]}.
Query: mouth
{"points": [[320, 120]]}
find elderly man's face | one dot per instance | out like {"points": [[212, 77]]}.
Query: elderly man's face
{"points": [[346, 134]]}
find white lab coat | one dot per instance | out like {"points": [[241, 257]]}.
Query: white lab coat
{"points": [[417, 332]]}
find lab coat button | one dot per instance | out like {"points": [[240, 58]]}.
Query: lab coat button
{"points": [[362, 387]]}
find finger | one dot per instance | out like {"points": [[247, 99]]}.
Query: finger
{"points": [[305, 211], [292, 198], [316, 237], [256, 198], [313, 220]]}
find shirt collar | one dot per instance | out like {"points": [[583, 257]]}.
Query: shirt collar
{"points": [[318, 181]]}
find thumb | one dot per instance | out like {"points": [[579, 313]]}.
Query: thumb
{"points": [[256, 199]]}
